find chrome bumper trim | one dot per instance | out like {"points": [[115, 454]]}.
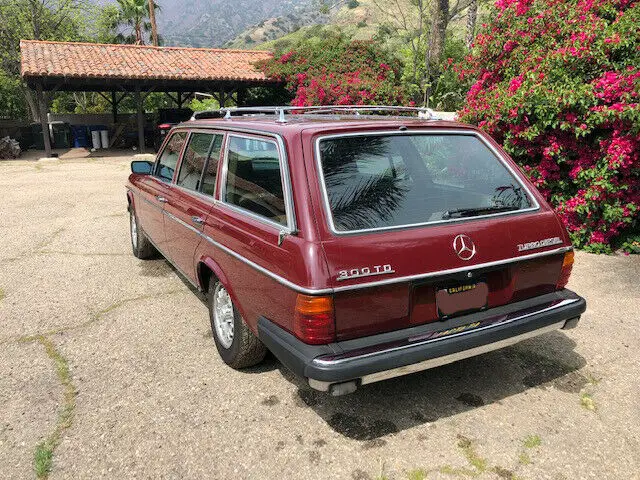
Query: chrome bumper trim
{"points": [[437, 362], [328, 361]]}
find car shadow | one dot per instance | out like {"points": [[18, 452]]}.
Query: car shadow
{"points": [[390, 406]]}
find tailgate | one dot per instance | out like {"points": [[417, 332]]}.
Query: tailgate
{"points": [[390, 280]]}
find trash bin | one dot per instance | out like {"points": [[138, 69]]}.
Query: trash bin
{"points": [[36, 135], [26, 138], [80, 137], [104, 138], [95, 139], [61, 134]]}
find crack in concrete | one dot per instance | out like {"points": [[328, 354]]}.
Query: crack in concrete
{"points": [[43, 454]]}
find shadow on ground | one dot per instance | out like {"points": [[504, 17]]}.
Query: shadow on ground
{"points": [[387, 407], [380, 409]]}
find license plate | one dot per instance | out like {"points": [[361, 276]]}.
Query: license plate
{"points": [[461, 298]]}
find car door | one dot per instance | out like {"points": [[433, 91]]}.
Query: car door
{"points": [[155, 189], [253, 218], [190, 199]]}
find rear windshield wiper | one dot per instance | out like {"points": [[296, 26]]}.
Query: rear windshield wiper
{"points": [[471, 212]]}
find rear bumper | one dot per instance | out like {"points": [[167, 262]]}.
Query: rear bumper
{"points": [[378, 357]]}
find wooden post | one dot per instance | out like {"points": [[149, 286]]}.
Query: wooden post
{"points": [[241, 97], [140, 110], [42, 108], [179, 102], [114, 107]]}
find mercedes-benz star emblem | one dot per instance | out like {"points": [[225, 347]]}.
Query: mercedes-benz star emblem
{"points": [[464, 247]]}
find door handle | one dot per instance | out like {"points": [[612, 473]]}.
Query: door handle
{"points": [[161, 199], [197, 220]]}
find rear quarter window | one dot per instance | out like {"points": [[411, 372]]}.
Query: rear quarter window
{"points": [[254, 178]]}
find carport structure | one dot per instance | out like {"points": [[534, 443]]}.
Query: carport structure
{"points": [[137, 70]]}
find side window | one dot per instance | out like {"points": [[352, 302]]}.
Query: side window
{"points": [[210, 174], [169, 158], [253, 179], [193, 160]]}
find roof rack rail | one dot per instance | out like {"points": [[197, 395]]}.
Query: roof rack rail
{"points": [[279, 111]]}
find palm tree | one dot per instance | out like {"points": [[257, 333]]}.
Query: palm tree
{"points": [[135, 13], [152, 18]]}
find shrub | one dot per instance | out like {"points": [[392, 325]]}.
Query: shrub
{"points": [[557, 82], [335, 70]]}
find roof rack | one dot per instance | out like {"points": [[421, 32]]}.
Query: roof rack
{"points": [[279, 111]]}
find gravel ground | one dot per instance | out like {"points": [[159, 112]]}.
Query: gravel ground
{"points": [[107, 362]]}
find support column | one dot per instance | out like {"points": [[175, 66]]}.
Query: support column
{"points": [[241, 97], [179, 102], [42, 108], [114, 107], [140, 111]]}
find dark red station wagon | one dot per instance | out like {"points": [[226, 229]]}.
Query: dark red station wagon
{"points": [[354, 243]]}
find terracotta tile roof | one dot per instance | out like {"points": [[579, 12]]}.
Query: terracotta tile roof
{"points": [[91, 60]]}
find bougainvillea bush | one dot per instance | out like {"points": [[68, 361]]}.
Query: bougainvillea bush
{"points": [[557, 82], [338, 71]]}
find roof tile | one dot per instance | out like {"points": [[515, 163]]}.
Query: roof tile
{"points": [[91, 60]]}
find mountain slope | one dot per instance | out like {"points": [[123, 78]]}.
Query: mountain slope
{"points": [[359, 19]]}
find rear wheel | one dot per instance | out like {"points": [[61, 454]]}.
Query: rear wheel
{"points": [[236, 343], [140, 244]]}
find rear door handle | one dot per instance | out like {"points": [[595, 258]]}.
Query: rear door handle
{"points": [[161, 199], [197, 220]]}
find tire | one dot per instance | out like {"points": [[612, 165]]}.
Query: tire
{"points": [[140, 244], [236, 343]]}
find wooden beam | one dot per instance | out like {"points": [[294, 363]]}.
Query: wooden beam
{"points": [[114, 107], [140, 112], [173, 99], [44, 124]]}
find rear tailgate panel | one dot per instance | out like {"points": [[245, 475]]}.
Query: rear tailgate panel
{"points": [[405, 296]]}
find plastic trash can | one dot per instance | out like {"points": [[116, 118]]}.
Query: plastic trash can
{"points": [[95, 139], [104, 138], [79, 134]]}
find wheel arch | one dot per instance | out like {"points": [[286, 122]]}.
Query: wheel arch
{"points": [[129, 200], [207, 270]]}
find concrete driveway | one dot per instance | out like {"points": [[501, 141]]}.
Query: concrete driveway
{"points": [[108, 370]]}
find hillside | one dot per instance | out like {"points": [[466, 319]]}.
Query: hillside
{"points": [[359, 19], [212, 23]]}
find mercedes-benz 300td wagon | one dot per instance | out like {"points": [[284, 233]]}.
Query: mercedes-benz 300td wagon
{"points": [[356, 244]]}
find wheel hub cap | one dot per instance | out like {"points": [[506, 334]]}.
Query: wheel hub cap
{"points": [[223, 316]]}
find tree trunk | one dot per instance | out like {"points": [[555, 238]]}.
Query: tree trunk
{"points": [[34, 109], [154, 26], [439, 22], [472, 15], [139, 33]]}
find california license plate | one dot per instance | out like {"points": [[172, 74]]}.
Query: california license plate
{"points": [[461, 298]]}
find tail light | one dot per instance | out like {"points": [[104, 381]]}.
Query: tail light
{"points": [[565, 271], [164, 126], [314, 320]]}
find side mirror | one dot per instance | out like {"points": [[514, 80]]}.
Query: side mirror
{"points": [[141, 167]]}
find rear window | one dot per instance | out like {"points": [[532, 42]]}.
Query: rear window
{"points": [[387, 181]]}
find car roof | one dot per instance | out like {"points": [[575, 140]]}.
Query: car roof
{"points": [[297, 122]]}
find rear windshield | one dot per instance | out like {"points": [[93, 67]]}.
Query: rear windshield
{"points": [[386, 181]]}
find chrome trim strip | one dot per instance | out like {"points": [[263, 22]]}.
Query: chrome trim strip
{"points": [[437, 362], [327, 291], [261, 269], [472, 352], [333, 360], [420, 276], [432, 131]]}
